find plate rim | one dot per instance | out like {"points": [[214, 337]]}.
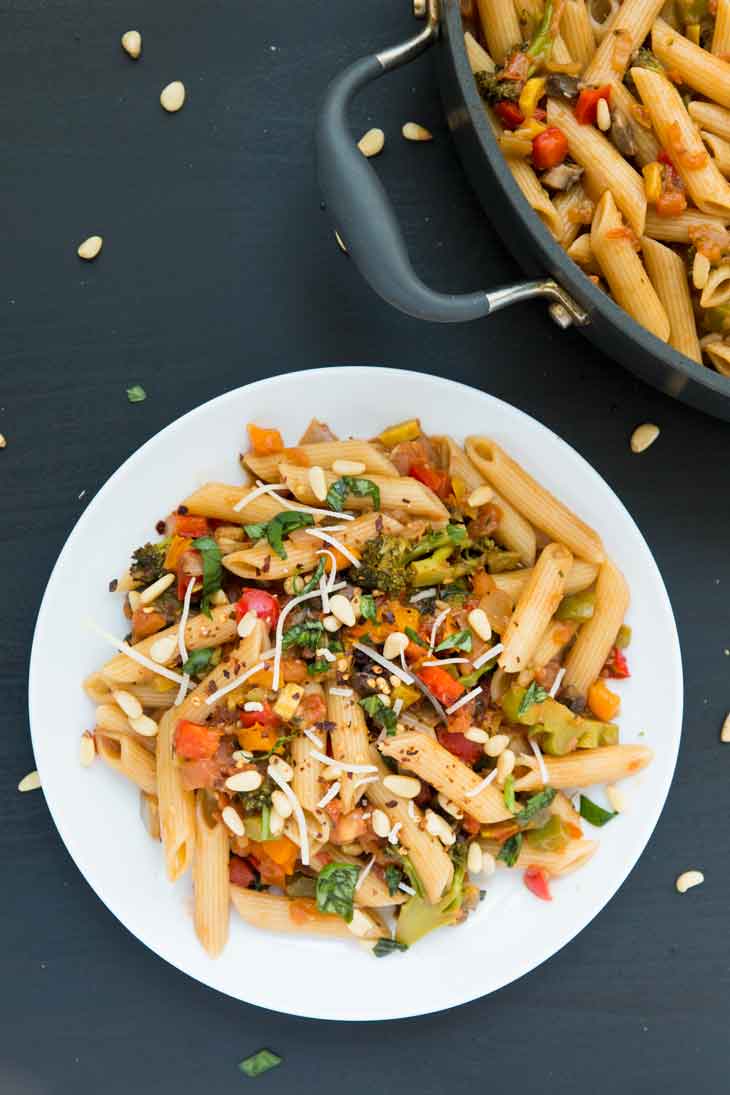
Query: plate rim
{"points": [[519, 970]]}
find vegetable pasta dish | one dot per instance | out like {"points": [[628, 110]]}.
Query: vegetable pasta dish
{"points": [[614, 119], [362, 680]]}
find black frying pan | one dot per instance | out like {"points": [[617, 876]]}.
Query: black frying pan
{"points": [[365, 220]]}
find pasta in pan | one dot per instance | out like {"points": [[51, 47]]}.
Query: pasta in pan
{"points": [[618, 134], [377, 696]]}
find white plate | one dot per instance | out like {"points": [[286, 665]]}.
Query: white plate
{"points": [[97, 813]]}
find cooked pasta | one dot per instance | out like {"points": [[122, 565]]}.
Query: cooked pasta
{"points": [[377, 700]]}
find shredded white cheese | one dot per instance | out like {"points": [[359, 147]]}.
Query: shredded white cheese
{"points": [[141, 659], [412, 810], [464, 699], [182, 690], [393, 834], [488, 655], [448, 661], [313, 509], [401, 674], [398, 707], [280, 628], [262, 488], [364, 873], [184, 623], [253, 705], [329, 795], [342, 765], [540, 761], [480, 786], [314, 739], [423, 595], [298, 814], [328, 656], [557, 682], [319, 535], [435, 629], [233, 684], [406, 888], [345, 692], [364, 781]]}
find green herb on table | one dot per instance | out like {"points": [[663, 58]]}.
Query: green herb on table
{"points": [[260, 1062], [136, 394]]}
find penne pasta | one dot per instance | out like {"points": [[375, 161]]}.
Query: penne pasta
{"points": [[678, 229], [624, 103], [323, 454], [400, 493], [210, 880], [176, 804], [553, 640], [537, 504], [629, 28], [696, 67], [577, 31], [711, 117], [581, 253], [536, 195], [596, 637], [499, 24], [537, 602], [373, 891], [556, 864], [244, 656], [721, 33], [349, 738], [218, 500], [575, 209], [586, 767], [720, 149], [272, 913], [580, 576], [125, 755], [479, 59], [668, 276]]}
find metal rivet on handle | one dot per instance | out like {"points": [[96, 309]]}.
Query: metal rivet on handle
{"points": [[560, 315]]}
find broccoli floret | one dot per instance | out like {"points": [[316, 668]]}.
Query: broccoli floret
{"points": [[493, 88], [147, 562], [383, 565]]}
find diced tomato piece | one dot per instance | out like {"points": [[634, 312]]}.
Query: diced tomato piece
{"points": [[264, 604], [509, 114], [240, 871], [438, 481], [587, 105], [264, 442], [549, 148], [537, 882], [185, 524], [267, 717], [617, 664], [444, 687], [312, 709], [195, 742], [670, 203], [190, 565], [459, 746]]}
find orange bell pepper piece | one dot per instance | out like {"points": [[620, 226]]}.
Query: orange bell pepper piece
{"points": [[602, 701], [178, 546], [283, 851], [257, 738], [264, 441]]}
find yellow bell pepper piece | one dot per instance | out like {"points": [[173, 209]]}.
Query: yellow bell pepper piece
{"points": [[409, 430], [408, 695], [529, 130], [693, 32], [531, 94], [652, 173], [288, 701]]}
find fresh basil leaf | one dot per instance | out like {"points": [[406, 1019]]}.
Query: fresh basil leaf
{"points": [[510, 851], [380, 713], [508, 794], [260, 1062], [535, 804], [212, 570], [393, 878], [256, 532], [456, 533], [278, 527], [461, 640], [358, 488], [534, 694], [320, 665], [367, 607], [198, 661], [336, 889], [595, 814], [470, 680], [314, 580], [415, 637], [307, 634], [265, 821], [136, 394], [384, 947]]}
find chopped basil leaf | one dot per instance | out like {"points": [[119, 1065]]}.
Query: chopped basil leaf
{"points": [[594, 814], [260, 1062], [535, 804], [393, 878], [384, 947], [314, 580], [336, 889], [349, 484], [199, 661], [320, 665], [415, 637], [136, 394], [380, 713], [461, 640], [509, 853], [534, 694], [278, 527], [470, 680], [212, 570], [456, 533], [265, 821], [367, 607], [307, 634], [509, 794]]}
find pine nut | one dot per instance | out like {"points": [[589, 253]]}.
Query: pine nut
{"points": [[617, 800], [253, 705], [689, 879], [370, 144], [147, 596], [172, 97], [87, 749], [603, 116], [496, 745], [31, 782], [412, 131], [644, 436], [90, 248], [163, 650], [250, 780], [361, 924], [481, 737], [479, 622], [282, 769], [232, 820], [132, 43], [3, 442], [342, 610], [134, 599], [380, 823], [218, 598], [348, 467], [276, 823], [725, 732], [394, 645], [438, 827], [330, 773], [505, 765], [330, 623], [700, 270], [281, 804], [449, 807], [403, 786], [480, 497], [246, 624], [340, 242], [475, 858], [129, 704], [318, 482], [144, 725]]}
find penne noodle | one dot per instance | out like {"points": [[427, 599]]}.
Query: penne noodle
{"points": [[245, 655], [125, 755], [176, 805], [669, 277], [623, 269], [555, 864], [306, 782], [586, 767], [581, 253], [575, 209], [719, 355], [437, 766], [721, 33], [679, 135], [629, 28], [97, 688], [556, 636], [604, 167], [217, 501], [536, 195], [537, 602], [677, 229], [580, 576], [577, 31], [710, 116], [322, 454], [536, 503], [501, 29], [479, 59], [110, 717], [720, 149], [697, 67], [272, 913], [349, 739], [623, 102], [210, 880], [596, 637], [151, 697], [396, 493]]}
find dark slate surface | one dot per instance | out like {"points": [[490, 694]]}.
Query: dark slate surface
{"points": [[219, 268]]}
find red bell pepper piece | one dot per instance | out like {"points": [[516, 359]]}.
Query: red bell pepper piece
{"points": [[587, 105], [537, 882], [267, 717], [617, 665], [185, 524], [436, 480], [549, 148], [195, 742], [459, 746], [444, 687], [509, 114]]}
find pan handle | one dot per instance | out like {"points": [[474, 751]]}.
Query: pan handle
{"points": [[365, 219]]}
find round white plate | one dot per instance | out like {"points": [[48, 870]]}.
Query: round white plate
{"points": [[97, 812]]}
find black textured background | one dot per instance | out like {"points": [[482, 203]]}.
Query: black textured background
{"points": [[219, 268]]}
